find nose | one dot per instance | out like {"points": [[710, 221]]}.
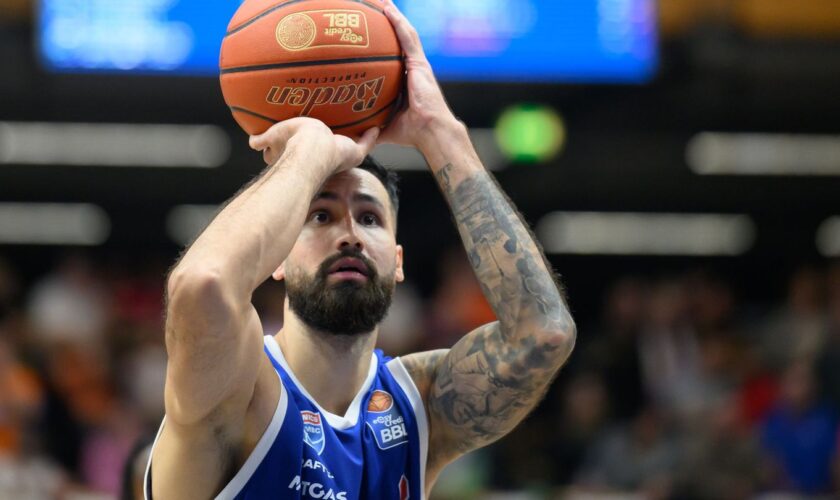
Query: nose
{"points": [[349, 238]]}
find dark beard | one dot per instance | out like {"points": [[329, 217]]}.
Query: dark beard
{"points": [[345, 308]]}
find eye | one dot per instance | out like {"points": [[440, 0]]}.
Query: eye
{"points": [[369, 219], [320, 217]]}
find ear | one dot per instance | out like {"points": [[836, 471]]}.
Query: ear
{"points": [[398, 273], [280, 273]]}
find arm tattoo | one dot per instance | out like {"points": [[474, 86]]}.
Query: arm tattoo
{"points": [[495, 375]]}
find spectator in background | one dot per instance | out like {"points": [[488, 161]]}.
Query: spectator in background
{"points": [[613, 349], [22, 473], [86, 400], [670, 351], [70, 305], [800, 435], [458, 305], [829, 360], [583, 419], [143, 372], [134, 471], [8, 290], [711, 305], [721, 458], [639, 457], [798, 329], [99, 343], [21, 398], [403, 329], [85, 381]]}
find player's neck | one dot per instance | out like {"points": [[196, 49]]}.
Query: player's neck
{"points": [[332, 368]]}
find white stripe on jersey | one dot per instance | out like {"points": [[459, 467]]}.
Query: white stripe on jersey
{"points": [[401, 375]]}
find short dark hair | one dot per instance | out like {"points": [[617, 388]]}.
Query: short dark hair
{"points": [[387, 177]]}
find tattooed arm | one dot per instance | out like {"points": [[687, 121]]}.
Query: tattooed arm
{"points": [[488, 382]]}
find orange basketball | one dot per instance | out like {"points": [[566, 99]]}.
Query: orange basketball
{"points": [[335, 60]]}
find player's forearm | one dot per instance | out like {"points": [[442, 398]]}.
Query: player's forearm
{"points": [[257, 229], [504, 255]]}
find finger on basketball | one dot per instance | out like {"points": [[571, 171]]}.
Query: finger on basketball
{"points": [[256, 143], [353, 152], [409, 39], [368, 140], [278, 132]]}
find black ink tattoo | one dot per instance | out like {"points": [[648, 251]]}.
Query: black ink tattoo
{"points": [[495, 375]]}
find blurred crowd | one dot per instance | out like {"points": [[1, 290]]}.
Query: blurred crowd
{"points": [[679, 388]]}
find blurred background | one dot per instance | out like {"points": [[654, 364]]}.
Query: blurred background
{"points": [[679, 160]]}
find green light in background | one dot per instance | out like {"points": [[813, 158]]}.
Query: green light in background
{"points": [[530, 133]]}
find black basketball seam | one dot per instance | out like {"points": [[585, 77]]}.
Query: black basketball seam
{"points": [[285, 4], [384, 108], [239, 109], [300, 64], [261, 15]]}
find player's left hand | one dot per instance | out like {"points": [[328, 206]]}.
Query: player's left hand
{"points": [[426, 105]]}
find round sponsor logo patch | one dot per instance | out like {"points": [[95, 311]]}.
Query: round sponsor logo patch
{"points": [[380, 402], [296, 31]]}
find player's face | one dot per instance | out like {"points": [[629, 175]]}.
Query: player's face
{"points": [[342, 270]]}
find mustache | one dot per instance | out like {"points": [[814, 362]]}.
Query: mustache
{"points": [[323, 269]]}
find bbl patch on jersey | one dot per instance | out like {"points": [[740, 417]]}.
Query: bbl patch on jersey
{"points": [[386, 422], [313, 431]]}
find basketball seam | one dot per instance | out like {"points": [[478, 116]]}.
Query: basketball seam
{"points": [[261, 15], [240, 109], [268, 11], [299, 64], [384, 108]]}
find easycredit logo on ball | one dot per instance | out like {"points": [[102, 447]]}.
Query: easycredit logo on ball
{"points": [[323, 28]]}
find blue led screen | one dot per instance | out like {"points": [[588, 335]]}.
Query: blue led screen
{"points": [[466, 40]]}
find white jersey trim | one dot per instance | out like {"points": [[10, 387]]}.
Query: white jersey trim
{"points": [[254, 460], [146, 493], [260, 451], [351, 417], [401, 375]]}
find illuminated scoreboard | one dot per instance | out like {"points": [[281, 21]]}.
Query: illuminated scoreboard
{"points": [[544, 40], [167, 36], [466, 40]]}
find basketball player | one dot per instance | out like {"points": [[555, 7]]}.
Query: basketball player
{"points": [[314, 411]]}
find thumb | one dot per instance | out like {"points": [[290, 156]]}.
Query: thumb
{"points": [[368, 140]]}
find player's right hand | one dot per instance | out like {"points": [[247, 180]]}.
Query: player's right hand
{"points": [[335, 152]]}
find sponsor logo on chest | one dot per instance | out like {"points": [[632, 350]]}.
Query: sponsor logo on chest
{"points": [[313, 431], [386, 421], [310, 489]]}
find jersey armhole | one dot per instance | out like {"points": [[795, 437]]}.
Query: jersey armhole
{"points": [[404, 380], [247, 470], [147, 477]]}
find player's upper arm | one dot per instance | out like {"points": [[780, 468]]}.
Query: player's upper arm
{"points": [[214, 342], [479, 390]]}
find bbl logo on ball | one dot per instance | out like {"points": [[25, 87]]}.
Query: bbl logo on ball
{"points": [[385, 420]]}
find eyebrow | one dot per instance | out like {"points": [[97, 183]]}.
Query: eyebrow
{"points": [[358, 197]]}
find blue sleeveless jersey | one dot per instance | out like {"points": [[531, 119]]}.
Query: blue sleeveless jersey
{"points": [[377, 450]]}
